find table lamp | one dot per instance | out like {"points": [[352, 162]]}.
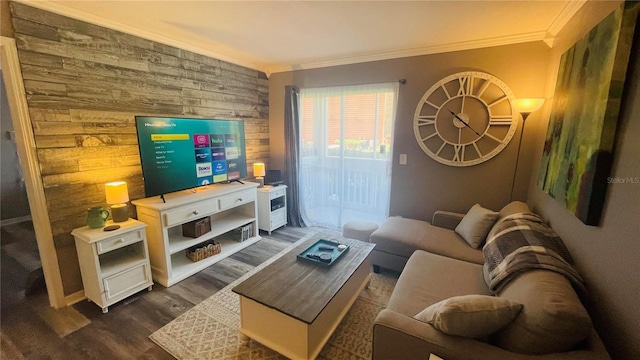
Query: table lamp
{"points": [[117, 197], [258, 172]]}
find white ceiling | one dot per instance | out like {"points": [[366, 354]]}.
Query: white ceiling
{"points": [[276, 36]]}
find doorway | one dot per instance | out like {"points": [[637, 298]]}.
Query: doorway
{"points": [[24, 141], [21, 267], [345, 153]]}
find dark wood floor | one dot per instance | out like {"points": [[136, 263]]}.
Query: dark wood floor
{"points": [[31, 329]]}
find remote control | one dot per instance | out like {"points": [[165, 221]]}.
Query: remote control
{"points": [[325, 248]]}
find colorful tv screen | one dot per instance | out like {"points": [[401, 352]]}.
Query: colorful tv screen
{"points": [[180, 153]]}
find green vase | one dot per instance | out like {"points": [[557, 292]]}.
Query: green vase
{"points": [[96, 217]]}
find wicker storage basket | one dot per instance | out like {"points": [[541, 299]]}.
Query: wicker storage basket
{"points": [[203, 251], [196, 228]]}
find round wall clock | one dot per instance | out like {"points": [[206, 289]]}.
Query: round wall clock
{"points": [[465, 119]]}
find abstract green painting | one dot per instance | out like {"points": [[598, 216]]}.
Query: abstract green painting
{"points": [[578, 149]]}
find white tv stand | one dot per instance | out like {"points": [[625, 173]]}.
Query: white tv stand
{"points": [[228, 206]]}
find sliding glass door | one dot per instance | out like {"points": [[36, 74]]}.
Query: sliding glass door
{"points": [[345, 153]]}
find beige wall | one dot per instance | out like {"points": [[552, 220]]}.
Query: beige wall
{"points": [[6, 29], [433, 186], [607, 255]]}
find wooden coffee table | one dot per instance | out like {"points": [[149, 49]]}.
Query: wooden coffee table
{"points": [[293, 306]]}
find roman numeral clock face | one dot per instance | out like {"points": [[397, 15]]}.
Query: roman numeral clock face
{"points": [[465, 119]]}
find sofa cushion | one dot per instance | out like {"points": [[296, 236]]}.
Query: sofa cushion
{"points": [[553, 318], [513, 207], [429, 278], [475, 225], [402, 236], [473, 316]]}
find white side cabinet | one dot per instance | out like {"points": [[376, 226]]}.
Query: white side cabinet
{"points": [[229, 207], [113, 264], [272, 207]]}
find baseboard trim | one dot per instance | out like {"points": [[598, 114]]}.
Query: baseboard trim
{"points": [[74, 298], [15, 220]]}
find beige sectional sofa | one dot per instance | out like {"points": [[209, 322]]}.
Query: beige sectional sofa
{"points": [[443, 305]]}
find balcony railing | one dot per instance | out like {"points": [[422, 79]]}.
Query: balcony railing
{"points": [[335, 191]]}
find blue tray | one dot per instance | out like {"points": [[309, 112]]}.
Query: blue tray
{"points": [[314, 249]]}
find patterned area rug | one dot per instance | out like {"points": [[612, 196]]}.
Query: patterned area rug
{"points": [[210, 329]]}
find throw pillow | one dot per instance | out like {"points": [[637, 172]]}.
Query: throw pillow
{"points": [[476, 224], [472, 316], [553, 319]]}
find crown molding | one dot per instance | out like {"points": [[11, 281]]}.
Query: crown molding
{"points": [[548, 37], [436, 49], [569, 10], [149, 35]]}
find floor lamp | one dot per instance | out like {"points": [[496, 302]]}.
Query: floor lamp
{"points": [[525, 107]]}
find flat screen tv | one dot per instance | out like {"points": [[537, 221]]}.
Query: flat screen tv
{"points": [[180, 153]]}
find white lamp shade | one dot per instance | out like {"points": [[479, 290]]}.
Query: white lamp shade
{"points": [[527, 106], [116, 192], [258, 169]]}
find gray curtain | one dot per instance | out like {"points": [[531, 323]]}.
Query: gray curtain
{"points": [[292, 154]]}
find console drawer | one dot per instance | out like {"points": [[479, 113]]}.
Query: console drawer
{"points": [[190, 212], [277, 193], [233, 200], [117, 242]]}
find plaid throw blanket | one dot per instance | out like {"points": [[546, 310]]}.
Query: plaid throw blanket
{"points": [[524, 242]]}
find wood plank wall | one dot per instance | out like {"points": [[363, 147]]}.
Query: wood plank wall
{"points": [[85, 83]]}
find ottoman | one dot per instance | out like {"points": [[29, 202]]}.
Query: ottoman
{"points": [[359, 230]]}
